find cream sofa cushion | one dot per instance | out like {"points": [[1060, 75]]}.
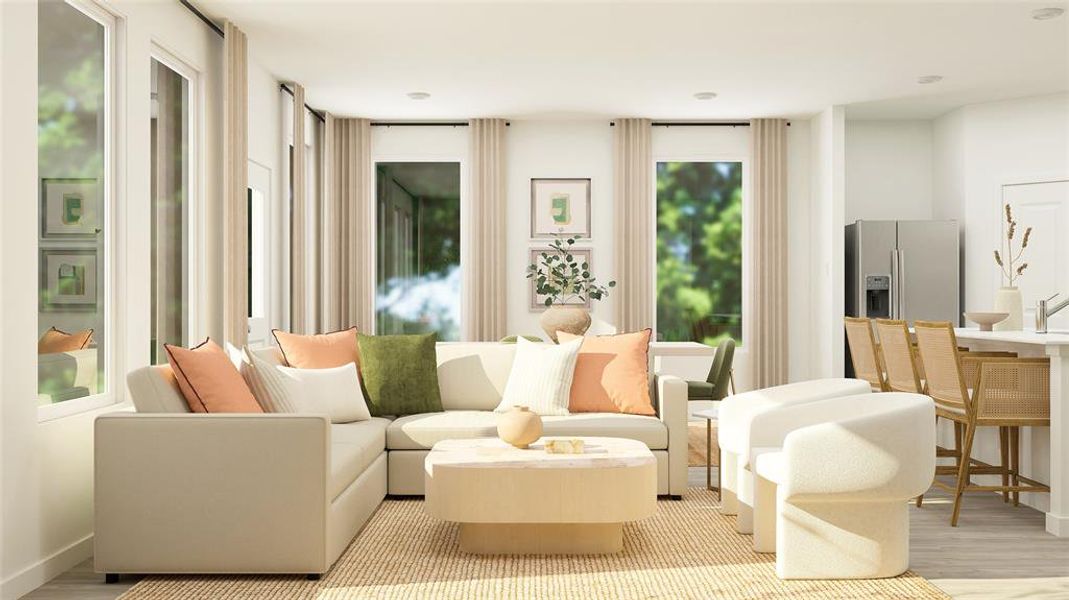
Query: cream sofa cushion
{"points": [[420, 432], [353, 447], [472, 375], [155, 390]]}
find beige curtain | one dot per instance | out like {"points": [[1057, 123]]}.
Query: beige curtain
{"points": [[298, 210], [349, 284], [633, 224], [235, 186], [486, 289], [768, 259]]}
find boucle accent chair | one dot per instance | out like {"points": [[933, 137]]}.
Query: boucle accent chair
{"points": [[736, 415], [832, 501]]}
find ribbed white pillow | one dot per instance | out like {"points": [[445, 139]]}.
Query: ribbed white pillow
{"points": [[270, 386], [541, 377]]}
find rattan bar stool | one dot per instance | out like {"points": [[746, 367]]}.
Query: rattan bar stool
{"points": [[1005, 392], [865, 353]]}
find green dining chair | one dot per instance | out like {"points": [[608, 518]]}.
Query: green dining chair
{"points": [[716, 385]]}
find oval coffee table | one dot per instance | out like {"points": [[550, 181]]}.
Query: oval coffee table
{"points": [[513, 501]]}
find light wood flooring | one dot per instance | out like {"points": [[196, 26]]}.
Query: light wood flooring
{"points": [[997, 551]]}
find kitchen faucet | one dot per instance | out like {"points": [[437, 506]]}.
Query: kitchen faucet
{"points": [[1043, 313]]}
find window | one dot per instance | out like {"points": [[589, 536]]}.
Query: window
{"points": [[169, 133], [74, 124], [699, 251], [258, 198], [418, 253]]}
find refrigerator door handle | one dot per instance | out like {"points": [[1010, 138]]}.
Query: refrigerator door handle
{"points": [[894, 284]]}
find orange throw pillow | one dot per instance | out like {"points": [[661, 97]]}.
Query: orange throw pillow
{"points": [[612, 374], [54, 341], [209, 381], [322, 351]]}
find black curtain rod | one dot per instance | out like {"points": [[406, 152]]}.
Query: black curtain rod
{"points": [[424, 124], [286, 88], [200, 15]]}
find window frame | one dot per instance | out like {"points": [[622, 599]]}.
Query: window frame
{"points": [[465, 226], [114, 155], [195, 267], [747, 229]]}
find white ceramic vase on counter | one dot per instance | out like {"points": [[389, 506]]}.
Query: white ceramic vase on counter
{"points": [[1008, 300]]}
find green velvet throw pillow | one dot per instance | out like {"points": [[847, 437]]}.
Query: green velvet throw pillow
{"points": [[400, 373]]}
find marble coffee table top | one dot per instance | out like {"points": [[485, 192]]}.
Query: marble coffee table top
{"points": [[598, 453]]}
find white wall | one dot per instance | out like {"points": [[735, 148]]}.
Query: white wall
{"points": [[46, 467], [827, 190], [888, 170], [978, 148]]}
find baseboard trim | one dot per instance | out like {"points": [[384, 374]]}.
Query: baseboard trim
{"points": [[1057, 525], [40, 573]]}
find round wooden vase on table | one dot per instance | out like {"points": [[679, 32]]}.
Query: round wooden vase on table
{"points": [[519, 426], [569, 319]]}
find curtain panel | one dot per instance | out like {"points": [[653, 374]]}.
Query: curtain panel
{"points": [[633, 198], [235, 185], [486, 288], [298, 218], [768, 258], [348, 278]]}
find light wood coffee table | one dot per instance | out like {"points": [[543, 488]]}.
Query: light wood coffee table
{"points": [[512, 501]]}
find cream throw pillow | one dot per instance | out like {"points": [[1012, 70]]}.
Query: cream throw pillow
{"points": [[541, 377], [335, 391]]}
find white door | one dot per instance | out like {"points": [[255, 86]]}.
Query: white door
{"points": [[1043, 206]]}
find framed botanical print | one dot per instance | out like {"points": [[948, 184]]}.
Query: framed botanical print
{"points": [[68, 279], [70, 209], [560, 207], [538, 301]]}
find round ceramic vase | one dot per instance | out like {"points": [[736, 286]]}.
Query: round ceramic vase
{"points": [[519, 426], [568, 319], [1008, 300]]}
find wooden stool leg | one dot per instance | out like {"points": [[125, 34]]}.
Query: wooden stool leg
{"points": [[957, 443], [963, 472], [1004, 452], [1015, 461]]}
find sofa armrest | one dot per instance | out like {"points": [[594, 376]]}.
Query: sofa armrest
{"points": [[211, 493], [672, 409]]}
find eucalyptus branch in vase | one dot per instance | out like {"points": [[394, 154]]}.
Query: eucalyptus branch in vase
{"points": [[1010, 264], [562, 278]]}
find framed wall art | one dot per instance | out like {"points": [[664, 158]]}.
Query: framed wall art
{"points": [[538, 301], [560, 207], [68, 279], [70, 209]]}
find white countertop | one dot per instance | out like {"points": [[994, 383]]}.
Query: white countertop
{"points": [[1058, 338]]}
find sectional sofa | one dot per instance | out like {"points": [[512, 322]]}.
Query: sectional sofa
{"points": [[178, 492]]}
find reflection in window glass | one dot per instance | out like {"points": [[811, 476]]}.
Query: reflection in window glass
{"points": [[418, 213], [699, 251], [169, 159], [71, 138]]}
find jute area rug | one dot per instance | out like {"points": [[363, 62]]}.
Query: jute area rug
{"points": [[688, 550]]}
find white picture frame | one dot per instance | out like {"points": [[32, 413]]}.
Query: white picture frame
{"points": [[70, 209], [537, 301], [560, 208], [68, 280]]}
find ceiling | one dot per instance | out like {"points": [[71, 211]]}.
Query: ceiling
{"points": [[552, 58]]}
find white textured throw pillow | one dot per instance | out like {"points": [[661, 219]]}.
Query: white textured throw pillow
{"points": [[270, 386], [334, 391], [541, 377]]}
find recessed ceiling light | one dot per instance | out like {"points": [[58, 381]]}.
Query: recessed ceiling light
{"points": [[705, 95], [929, 79], [1042, 14], [419, 95]]}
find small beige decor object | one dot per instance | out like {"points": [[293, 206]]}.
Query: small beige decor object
{"points": [[569, 319], [686, 550], [519, 426], [986, 319], [565, 446], [1010, 263]]}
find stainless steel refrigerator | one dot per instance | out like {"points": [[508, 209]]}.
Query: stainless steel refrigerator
{"points": [[903, 270]]}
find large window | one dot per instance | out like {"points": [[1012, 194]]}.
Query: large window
{"points": [[418, 254], [699, 251], [170, 209], [74, 124]]}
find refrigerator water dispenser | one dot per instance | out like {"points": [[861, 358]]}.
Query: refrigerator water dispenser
{"points": [[878, 296]]}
